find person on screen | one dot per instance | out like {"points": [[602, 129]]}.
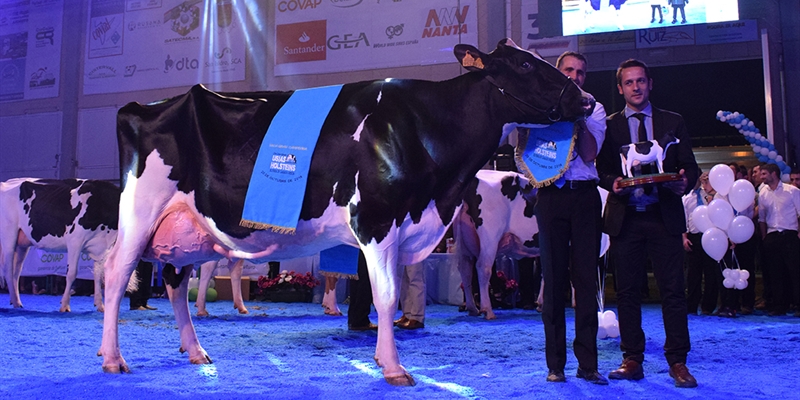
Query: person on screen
{"points": [[678, 4], [656, 5], [617, 4], [589, 7]]}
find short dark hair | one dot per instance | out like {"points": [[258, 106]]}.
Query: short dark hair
{"points": [[630, 63], [795, 170], [575, 54], [772, 169]]}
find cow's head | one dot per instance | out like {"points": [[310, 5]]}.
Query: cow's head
{"points": [[539, 92]]}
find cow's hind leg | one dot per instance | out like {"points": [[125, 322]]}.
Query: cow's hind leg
{"points": [[236, 267], [382, 267], [73, 255], [116, 278], [466, 265], [98, 287], [179, 298], [13, 273], [484, 270]]}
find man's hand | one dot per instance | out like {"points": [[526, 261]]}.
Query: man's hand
{"points": [[678, 187], [687, 244], [620, 190]]}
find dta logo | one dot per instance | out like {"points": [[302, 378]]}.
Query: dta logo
{"points": [[301, 42], [347, 41], [184, 63], [447, 22]]}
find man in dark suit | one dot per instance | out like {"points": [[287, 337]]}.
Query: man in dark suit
{"points": [[647, 221]]}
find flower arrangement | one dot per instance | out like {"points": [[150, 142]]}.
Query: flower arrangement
{"points": [[288, 280]]}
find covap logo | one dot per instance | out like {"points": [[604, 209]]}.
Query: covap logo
{"points": [[301, 42], [293, 5]]}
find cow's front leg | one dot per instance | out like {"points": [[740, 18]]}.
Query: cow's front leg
{"points": [[329, 299], [179, 298], [236, 285], [385, 288]]}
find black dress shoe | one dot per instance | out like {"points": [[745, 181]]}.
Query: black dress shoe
{"points": [[143, 308], [591, 375], [400, 321], [683, 379], [411, 324], [630, 370], [556, 376], [368, 327]]}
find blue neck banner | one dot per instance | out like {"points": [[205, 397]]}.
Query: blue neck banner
{"points": [[544, 153]]}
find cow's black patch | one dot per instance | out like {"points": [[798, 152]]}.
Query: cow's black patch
{"points": [[102, 207], [644, 147], [473, 202], [47, 204]]}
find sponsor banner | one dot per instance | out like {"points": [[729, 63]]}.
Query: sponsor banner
{"points": [[42, 263], [163, 43], [727, 32], [607, 41], [319, 36], [665, 37], [30, 48]]}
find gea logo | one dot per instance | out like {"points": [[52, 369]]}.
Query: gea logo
{"points": [[180, 65]]}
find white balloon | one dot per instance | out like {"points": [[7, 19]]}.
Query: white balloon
{"points": [[764, 151], [700, 219], [778, 158], [609, 318], [785, 178], [194, 283], [726, 273], [741, 229], [733, 274], [715, 243], [613, 331], [728, 283], [740, 284], [744, 274], [720, 213], [758, 136], [601, 332], [721, 178], [772, 154], [742, 194]]}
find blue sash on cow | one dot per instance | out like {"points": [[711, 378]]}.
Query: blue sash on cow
{"points": [[544, 153], [340, 262], [275, 194]]}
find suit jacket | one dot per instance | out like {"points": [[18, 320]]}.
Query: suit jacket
{"points": [[679, 156]]}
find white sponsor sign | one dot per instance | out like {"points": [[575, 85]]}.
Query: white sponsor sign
{"points": [[30, 49], [727, 32], [665, 37], [150, 44], [43, 263], [319, 36]]}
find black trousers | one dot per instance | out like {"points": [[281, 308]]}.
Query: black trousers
{"points": [[782, 257], [643, 234], [569, 217], [701, 271], [144, 270], [360, 296]]}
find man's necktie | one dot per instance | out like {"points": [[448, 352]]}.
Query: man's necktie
{"points": [[642, 127]]}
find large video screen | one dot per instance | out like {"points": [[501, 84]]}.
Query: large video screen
{"points": [[580, 17]]}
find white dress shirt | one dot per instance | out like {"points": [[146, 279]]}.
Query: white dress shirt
{"points": [[779, 208], [578, 169]]}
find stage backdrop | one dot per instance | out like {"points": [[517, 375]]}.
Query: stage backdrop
{"points": [[349, 35]]}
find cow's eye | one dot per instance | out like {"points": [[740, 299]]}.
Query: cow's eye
{"points": [[526, 65]]}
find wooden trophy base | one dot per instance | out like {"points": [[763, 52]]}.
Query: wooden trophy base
{"points": [[648, 179]]}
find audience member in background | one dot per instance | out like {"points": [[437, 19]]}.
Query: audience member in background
{"points": [[138, 298], [412, 297], [794, 177], [702, 270], [778, 214], [763, 302], [736, 300], [360, 299]]}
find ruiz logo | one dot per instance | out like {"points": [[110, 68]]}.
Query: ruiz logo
{"points": [[392, 31], [347, 41]]}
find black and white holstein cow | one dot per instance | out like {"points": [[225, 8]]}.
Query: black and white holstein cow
{"points": [[70, 215], [646, 152], [392, 164], [496, 219]]}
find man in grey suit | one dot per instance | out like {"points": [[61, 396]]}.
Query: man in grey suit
{"points": [[647, 221]]}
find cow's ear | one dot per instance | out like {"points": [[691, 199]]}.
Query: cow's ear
{"points": [[469, 57], [508, 43]]}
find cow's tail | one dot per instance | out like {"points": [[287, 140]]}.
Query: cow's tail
{"points": [[99, 273], [664, 155]]}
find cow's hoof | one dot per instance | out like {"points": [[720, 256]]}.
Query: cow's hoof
{"points": [[205, 359], [473, 313], [243, 310], [401, 380], [490, 316], [17, 305], [116, 369], [202, 313], [377, 361], [65, 309], [101, 309]]}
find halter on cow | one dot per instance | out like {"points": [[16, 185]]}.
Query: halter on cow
{"points": [[391, 166]]}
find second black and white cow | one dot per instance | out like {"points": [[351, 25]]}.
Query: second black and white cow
{"points": [[497, 220], [388, 175], [70, 215]]}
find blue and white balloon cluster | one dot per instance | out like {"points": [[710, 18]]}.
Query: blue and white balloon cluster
{"points": [[763, 149]]}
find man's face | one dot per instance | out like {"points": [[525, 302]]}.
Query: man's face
{"points": [[574, 68], [767, 177], [635, 88], [757, 175], [795, 179]]}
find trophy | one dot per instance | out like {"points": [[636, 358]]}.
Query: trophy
{"points": [[636, 155]]}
